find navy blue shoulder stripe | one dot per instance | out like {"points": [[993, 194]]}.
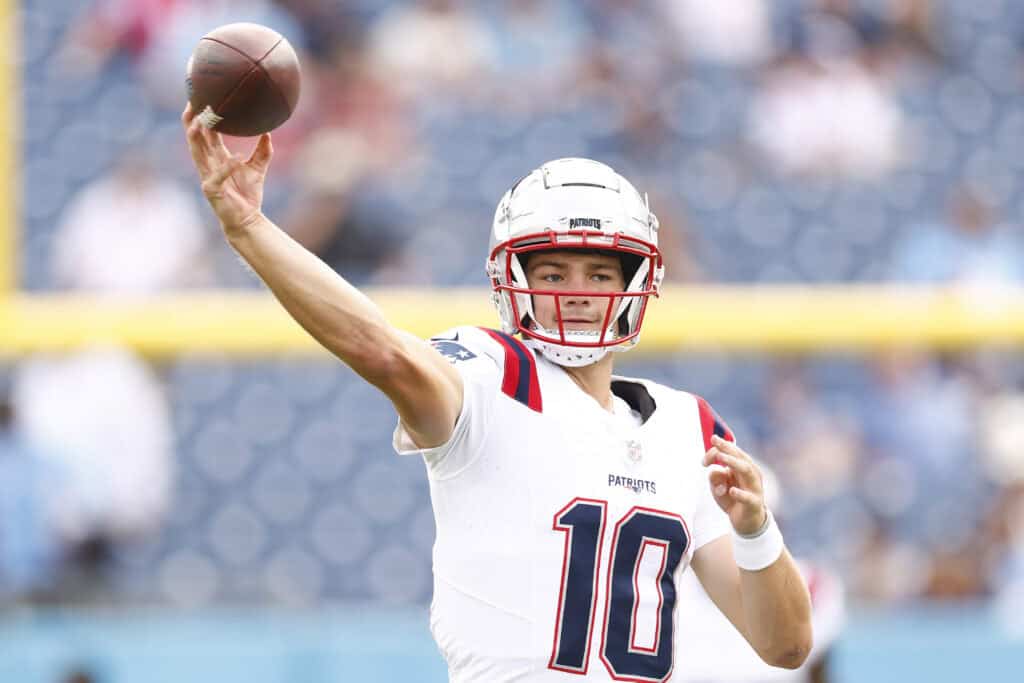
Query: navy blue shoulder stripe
{"points": [[520, 378], [711, 423]]}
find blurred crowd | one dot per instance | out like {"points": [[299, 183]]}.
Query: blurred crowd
{"points": [[780, 141], [798, 140]]}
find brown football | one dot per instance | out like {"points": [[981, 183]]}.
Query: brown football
{"points": [[243, 79]]}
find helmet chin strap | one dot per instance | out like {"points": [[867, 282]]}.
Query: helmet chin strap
{"points": [[568, 356]]}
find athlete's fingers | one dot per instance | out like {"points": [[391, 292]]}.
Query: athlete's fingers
{"points": [[212, 184], [218, 141], [712, 456], [215, 142], [720, 481], [186, 115], [744, 496], [198, 147], [262, 153], [738, 465], [717, 470], [729, 447], [742, 464]]}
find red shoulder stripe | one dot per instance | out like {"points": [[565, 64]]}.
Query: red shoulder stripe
{"points": [[711, 423], [520, 378]]}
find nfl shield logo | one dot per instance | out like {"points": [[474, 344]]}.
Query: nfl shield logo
{"points": [[633, 451]]}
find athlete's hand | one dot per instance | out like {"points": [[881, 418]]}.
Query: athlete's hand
{"points": [[737, 485], [233, 187]]}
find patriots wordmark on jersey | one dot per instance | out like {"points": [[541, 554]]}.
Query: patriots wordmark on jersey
{"points": [[562, 528]]}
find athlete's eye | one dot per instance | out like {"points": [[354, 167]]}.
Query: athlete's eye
{"points": [[551, 277], [600, 277]]}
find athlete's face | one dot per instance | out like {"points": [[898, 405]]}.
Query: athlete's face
{"points": [[563, 271]]}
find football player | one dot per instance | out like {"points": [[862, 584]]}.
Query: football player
{"points": [[568, 501]]}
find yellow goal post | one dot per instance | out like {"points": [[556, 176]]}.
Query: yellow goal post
{"points": [[774, 318]]}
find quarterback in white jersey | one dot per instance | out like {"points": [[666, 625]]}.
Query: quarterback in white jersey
{"points": [[568, 502], [562, 526]]}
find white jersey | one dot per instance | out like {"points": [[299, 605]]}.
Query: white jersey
{"points": [[562, 529], [715, 652]]}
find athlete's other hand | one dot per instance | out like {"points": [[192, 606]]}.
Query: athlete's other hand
{"points": [[233, 187], [737, 485]]}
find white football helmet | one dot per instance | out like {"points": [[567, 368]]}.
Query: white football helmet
{"points": [[574, 204]]}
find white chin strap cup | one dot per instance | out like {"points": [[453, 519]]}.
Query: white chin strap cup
{"points": [[574, 356], [568, 356]]}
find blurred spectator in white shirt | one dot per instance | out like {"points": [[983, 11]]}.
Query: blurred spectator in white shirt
{"points": [[738, 32], [432, 47], [828, 117], [104, 416], [131, 231]]}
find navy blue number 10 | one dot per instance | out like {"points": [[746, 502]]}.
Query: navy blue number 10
{"points": [[583, 523]]}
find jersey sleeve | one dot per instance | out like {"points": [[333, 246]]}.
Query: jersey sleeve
{"points": [[710, 521], [473, 355]]}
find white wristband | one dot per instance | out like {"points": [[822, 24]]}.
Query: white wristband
{"points": [[756, 552]]}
